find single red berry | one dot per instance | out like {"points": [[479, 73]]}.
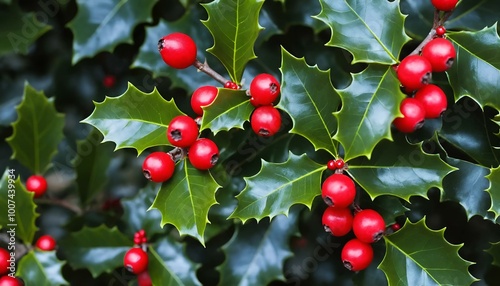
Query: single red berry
{"points": [[203, 154], [264, 89], [182, 131], [36, 184], [136, 260], [231, 85], [177, 50], [338, 190], [413, 115], [143, 279], [4, 261], [440, 31], [203, 96], [339, 163], [331, 165], [265, 120], [368, 226], [10, 281], [414, 72], [109, 81], [441, 53], [46, 243], [444, 5], [395, 227], [158, 167], [356, 255], [337, 221], [433, 99]]}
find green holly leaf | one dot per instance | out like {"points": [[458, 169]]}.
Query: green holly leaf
{"points": [[299, 13], [91, 162], [37, 131], [476, 71], [234, 25], [169, 264], [356, 27], [15, 197], [399, 169], [134, 119], [104, 24], [99, 249], [369, 105], [185, 199], [417, 255], [494, 190], [41, 268], [256, 253], [279, 186], [308, 96], [230, 110], [494, 251]]}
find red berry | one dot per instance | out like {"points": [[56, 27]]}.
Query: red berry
{"points": [[36, 184], [433, 99], [177, 50], [338, 190], [339, 163], [158, 167], [395, 227], [10, 281], [4, 263], [203, 154], [414, 72], [368, 226], [136, 260], [440, 31], [337, 221], [46, 243], [413, 115], [203, 96], [231, 85], [264, 89], [331, 165], [182, 131], [441, 53], [444, 5], [109, 81], [356, 255], [143, 279], [265, 120]]}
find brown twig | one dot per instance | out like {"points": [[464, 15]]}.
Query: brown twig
{"points": [[438, 21], [204, 67], [62, 203]]}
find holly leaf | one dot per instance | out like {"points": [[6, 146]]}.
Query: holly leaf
{"points": [[234, 25], [357, 28], [99, 249], [230, 110], [476, 71], [494, 190], [104, 24], [169, 264], [399, 169], [14, 196], [256, 253], [279, 186], [369, 105], [37, 131], [91, 162], [134, 119], [494, 251], [308, 96], [41, 268], [185, 199], [415, 255]]}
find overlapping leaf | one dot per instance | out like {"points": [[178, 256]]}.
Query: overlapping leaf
{"points": [[256, 253], [234, 25], [362, 28], [41, 268], [417, 255], [369, 105], [308, 96], [169, 264], [494, 251], [185, 199], [399, 169], [14, 196], [476, 71], [494, 190], [279, 186], [135, 119], [100, 249], [37, 131], [104, 24]]}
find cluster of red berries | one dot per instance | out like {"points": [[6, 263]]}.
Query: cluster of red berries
{"points": [[426, 101], [136, 259], [265, 119], [338, 192]]}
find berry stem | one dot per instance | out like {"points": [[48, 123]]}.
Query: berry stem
{"points": [[61, 203], [178, 153], [438, 21], [204, 67]]}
